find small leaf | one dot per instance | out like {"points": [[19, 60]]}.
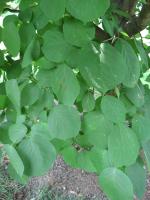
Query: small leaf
{"points": [[30, 94], [65, 85], [37, 154], [17, 132], [13, 93], [116, 184], [15, 159], [136, 95], [88, 102], [141, 126], [137, 174], [11, 38]]}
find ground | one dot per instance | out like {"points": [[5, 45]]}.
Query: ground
{"points": [[60, 183]]}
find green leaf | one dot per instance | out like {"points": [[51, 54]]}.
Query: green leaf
{"points": [[43, 63], [137, 175], [96, 129], [100, 159], [109, 57], [55, 48], [15, 159], [142, 53], [37, 155], [116, 184], [131, 61], [113, 109], [3, 101], [44, 78], [53, 9], [136, 95], [13, 93], [79, 160], [65, 85], [95, 70], [123, 146], [141, 126], [11, 38], [30, 94], [87, 10], [28, 56], [17, 132], [19, 179], [88, 102], [42, 129], [27, 33], [76, 33], [146, 148], [64, 122]]}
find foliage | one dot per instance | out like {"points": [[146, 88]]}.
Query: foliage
{"points": [[70, 84]]}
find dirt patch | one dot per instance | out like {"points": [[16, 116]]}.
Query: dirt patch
{"points": [[62, 183], [66, 181]]}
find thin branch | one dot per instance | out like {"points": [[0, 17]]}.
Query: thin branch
{"points": [[11, 10]]}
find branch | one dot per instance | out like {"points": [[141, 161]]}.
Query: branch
{"points": [[138, 23], [101, 35], [11, 10], [125, 5]]}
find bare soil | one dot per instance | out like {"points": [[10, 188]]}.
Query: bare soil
{"points": [[68, 182]]}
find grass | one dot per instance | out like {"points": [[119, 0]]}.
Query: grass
{"points": [[8, 189]]}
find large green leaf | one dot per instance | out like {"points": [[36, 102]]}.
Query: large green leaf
{"points": [[88, 102], [141, 126], [137, 174], [146, 148], [96, 129], [113, 109], [113, 62], [64, 122], [13, 93], [91, 161], [11, 38], [116, 184], [123, 146], [15, 159], [65, 85], [53, 9], [30, 94], [37, 154], [17, 132], [76, 33], [55, 48], [87, 10], [42, 129], [136, 95], [32, 53], [132, 63], [95, 68]]}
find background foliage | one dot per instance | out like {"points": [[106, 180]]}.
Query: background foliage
{"points": [[71, 83]]}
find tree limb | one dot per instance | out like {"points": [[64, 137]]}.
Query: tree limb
{"points": [[11, 10], [138, 23], [101, 35]]}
